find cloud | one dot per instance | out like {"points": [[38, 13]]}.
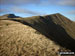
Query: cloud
{"points": [[66, 2], [25, 11], [19, 10], [19, 2], [71, 12], [3, 10], [38, 2], [59, 2]]}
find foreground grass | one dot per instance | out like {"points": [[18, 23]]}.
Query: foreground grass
{"points": [[17, 39]]}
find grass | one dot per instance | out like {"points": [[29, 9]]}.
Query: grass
{"points": [[37, 32], [20, 40]]}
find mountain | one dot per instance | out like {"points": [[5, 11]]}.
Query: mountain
{"points": [[37, 35], [9, 16]]}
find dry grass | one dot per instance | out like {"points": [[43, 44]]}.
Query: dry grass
{"points": [[17, 39]]}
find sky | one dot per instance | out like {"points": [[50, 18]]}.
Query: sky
{"points": [[28, 8]]}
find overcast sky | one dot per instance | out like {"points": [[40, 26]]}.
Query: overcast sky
{"points": [[27, 8]]}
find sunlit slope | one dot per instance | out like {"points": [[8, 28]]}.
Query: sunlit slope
{"points": [[17, 39], [36, 36]]}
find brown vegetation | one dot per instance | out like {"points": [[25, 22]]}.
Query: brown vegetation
{"points": [[36, 36]]}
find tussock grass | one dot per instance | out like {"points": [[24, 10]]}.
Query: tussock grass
{"points": [[21, 40]]}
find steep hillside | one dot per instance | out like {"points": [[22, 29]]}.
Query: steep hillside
{"points": [[17, 39], [36, 36], [55, 27]]}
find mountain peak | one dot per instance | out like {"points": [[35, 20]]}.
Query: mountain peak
{"points": [[11, 16]]}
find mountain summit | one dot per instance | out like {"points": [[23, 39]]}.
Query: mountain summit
{"points": [[37, 35], [9, 16]]}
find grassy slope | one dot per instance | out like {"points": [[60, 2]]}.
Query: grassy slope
{"points": [[17, 39], [55, 27], [24, 40]]}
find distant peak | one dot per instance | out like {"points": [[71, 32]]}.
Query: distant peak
{"points": [[56, 14], [11, 16], [53, 14]]}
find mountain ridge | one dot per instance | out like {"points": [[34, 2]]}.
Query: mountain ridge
{"points": [[55, 27]]}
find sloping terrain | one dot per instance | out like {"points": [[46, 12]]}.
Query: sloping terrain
{"points": [[17, 39], [36, 36]]}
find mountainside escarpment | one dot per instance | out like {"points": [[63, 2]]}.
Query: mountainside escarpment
{"points": [[55, 27]]}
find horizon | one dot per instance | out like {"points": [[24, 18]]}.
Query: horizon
{"points": [[28, 8]]}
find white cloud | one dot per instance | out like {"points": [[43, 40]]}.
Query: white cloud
{"points": [[71, 12], [3, 10], [19, 2], [25, 11], [38, 2], [66, 2]]}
